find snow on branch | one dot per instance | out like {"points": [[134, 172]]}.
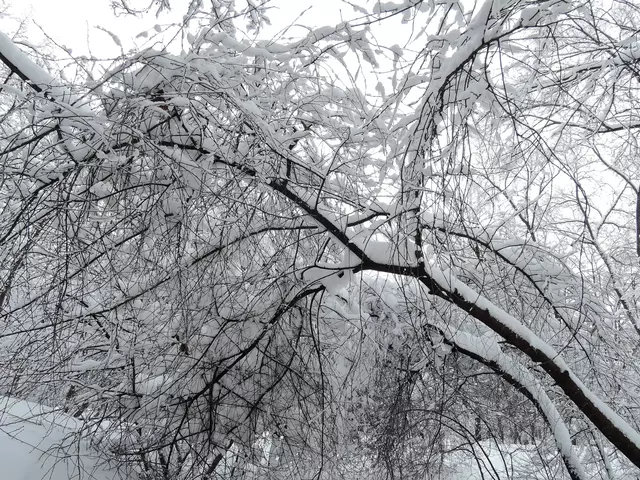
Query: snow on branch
{"points": [[41, 81], [486, 351]]}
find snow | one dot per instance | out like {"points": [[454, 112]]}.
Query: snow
{"points": [[32, 71], [613, 417], [86, 365], [35, 445], [488, 460], [486, 347], [495, 461], [41, 79], [450, 283]]}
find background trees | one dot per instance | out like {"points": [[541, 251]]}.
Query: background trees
{"points": [[244, 260]]}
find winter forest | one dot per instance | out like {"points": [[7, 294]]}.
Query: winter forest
{"points": [[401, 246]]}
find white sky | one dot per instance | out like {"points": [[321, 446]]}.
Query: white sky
{"points": [[73, 23], [76, 24]]}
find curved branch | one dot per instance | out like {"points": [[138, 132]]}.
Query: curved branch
{"points": [[525, 382]]}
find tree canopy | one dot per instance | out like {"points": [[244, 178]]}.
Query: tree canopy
{"points": [[354, 252]]}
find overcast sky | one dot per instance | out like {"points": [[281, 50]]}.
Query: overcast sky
{"points": [[73, 22]]}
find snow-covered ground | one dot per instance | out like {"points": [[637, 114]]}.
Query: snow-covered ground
{"points": [[35, 445], [491, 461]]}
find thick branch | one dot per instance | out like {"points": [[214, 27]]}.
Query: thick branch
{"points": [[528, 385], [612, 426]]}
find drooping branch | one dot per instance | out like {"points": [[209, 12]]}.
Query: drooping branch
{"points": [[616, 429], [525, 382]]}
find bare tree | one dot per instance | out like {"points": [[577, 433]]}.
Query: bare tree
{"points": [[239, 261]]}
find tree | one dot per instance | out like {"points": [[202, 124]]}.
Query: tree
{"points": [[240, 261]]}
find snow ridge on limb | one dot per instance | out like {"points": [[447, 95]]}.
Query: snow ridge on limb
{"points": [[35, 76], [513, 372], [614, 427], [22, 65]]}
